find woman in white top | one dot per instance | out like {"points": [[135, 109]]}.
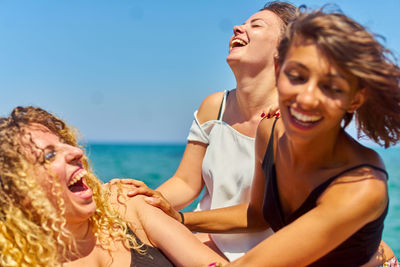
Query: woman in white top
{"points": [[220, 148]]}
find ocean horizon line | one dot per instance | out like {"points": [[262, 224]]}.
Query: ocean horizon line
{"points": [[134, 143], [183, 143]]}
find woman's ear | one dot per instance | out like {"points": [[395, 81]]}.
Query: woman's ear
{"points": [[358, 99]]}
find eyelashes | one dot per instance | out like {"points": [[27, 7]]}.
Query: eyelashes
{"points": [[330, 87], [294, 77], [50, 155]]}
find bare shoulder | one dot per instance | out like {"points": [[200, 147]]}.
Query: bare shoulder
{"points": [[126, 206], [264, 131], [362, 190], [371, 156], [209, 108], [360, 154]]}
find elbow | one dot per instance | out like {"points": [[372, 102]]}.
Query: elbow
{"points": [[255, 219]]}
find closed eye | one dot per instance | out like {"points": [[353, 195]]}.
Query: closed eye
{"points": [[294, 77], [257, 22], [331, 88], [256, 25]]}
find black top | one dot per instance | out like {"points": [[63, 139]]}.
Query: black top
{"points": [[151, 257], [354, 251]]}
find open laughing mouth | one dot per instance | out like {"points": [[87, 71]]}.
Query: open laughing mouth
{"points": [[238, 43], [77, 185], [303, 119]]}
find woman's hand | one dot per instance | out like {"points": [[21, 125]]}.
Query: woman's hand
{"points": [[153, 198], [270, 112]]}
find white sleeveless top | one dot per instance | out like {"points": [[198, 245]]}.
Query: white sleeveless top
{"points": [[227, 170]]}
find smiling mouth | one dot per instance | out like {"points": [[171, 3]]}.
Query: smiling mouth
{"points": [[76, 184], [238, 43], [303, 119]]}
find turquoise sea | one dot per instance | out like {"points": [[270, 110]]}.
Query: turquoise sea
{"points": [[155, 163]]}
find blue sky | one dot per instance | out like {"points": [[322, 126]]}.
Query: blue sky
{"points": [[133, 71]]}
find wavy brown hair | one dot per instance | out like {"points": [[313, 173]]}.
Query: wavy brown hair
{"points": [[357, 52], [32, 227]]}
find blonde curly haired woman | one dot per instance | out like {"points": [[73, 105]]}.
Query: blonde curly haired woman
{"points": [[54, 211]]}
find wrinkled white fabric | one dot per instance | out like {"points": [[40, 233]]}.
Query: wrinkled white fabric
{"points": [[227, 170]]}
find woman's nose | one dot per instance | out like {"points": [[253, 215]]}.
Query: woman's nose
{"points": [[308, 96], [73, 154], [238, 29]]}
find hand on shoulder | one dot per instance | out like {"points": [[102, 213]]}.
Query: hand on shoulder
{"points": [[264, 128], [128, 191]]}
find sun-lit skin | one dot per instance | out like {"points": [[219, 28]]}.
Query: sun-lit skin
{"points": [[314, 95], [64, 162], [254, 42]]}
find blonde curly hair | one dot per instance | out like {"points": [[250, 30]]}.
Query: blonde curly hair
{"points": [[32, 227]]}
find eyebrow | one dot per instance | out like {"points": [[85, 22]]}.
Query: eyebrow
{"points": [[256, 19], [298, 64], [49, 147], [330, 75]]}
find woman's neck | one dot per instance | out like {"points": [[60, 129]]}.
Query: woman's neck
{"points": [[256, 94], [317, 153], [84, 237]]}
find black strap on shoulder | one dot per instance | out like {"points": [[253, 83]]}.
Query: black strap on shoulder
{"points": [[271, 141], [273, 128], [224, 98], [363, 165], [316, 192]]}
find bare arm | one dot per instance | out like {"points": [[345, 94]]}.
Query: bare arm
{"points": [[180, 190], [186, 184], [341, 211], [244, 217], [165, 233]]}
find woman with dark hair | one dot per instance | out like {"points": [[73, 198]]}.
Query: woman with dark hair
{"points": [[324, 194]]}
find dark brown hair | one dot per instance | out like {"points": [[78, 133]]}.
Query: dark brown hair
{"points": [[357, 52]]}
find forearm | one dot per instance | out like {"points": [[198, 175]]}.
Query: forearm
{"points": [[179, 193], [234, 219], [175, 240]]}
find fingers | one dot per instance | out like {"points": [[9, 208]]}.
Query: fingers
{"points": [[154, 201], [128, 181], [153, 198], [141, 191], [161, 203], [139, 187], [114, 181], [271, 112]]}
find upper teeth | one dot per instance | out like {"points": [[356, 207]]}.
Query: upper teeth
{"points": [[302, 117], [239, 41], [77, 177]]}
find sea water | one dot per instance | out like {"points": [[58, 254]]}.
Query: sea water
{"points": [[154, 164]]}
